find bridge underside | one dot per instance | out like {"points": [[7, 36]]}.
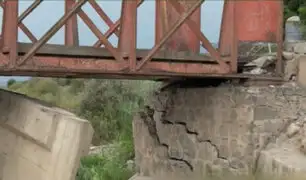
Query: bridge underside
{"points": [[175, 54]]}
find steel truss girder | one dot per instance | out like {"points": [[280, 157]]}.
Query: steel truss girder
{"points": [[182, 25]]}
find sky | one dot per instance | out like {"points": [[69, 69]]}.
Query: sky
{"points": [[49, 11]]}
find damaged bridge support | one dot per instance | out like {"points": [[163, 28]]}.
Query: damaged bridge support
{"points": [[195, 132]]}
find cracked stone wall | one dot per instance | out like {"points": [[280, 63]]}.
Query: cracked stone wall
{"points": [[191, 133]]}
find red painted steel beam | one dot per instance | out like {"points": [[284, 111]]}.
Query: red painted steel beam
{"points": [[28, 11], [174, 28], [113, 28], [91, 25], [71, 26], [184, 39], [205, 42], [228, 42], [51, 31], [128, 31], [103, 15], [106, 66], [26, 31], [258, 20], [10, 31], [171, 15], [251, 21]]}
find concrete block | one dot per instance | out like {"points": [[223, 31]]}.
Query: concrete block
{"points": [[40, 142], [301, 77], [288, 55], [139, 177], [291, 69], [280, 161], [300, 48]]}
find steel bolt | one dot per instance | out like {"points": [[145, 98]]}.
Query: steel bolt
{"points": [[5, 50]]}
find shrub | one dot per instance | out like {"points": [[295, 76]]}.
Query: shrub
{"points": [[11, 82], [108, 166]]}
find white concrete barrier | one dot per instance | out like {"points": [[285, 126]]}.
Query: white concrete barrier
{"points": [[39, 142]]}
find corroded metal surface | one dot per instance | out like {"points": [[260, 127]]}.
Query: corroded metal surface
{"points": [[177, 30]]}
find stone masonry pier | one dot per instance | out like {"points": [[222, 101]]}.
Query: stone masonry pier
{"points": [[192, 133]]}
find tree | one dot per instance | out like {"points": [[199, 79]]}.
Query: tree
{"points": [[10, 82]]}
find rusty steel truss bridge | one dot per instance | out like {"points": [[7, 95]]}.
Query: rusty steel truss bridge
{"points": [[175, 54]]}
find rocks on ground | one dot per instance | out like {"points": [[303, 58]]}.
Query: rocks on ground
{"points": [[265, 63], [109, 150]]}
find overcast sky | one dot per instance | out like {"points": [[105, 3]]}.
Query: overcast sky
{"points": [[48, 12]]}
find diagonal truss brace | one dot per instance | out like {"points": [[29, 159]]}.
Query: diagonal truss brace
{"points": [[205, 42], [176, 26], [51, 32], [23, 16], [113, 27]]}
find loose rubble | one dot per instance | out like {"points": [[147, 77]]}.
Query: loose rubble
{"points": [[262, 64]]}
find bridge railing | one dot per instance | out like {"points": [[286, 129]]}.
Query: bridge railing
{"points": [[175, 53]]}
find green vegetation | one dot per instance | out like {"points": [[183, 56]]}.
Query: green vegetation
{"points": [[108, 104]]}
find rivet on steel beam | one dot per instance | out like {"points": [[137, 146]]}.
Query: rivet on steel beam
{"points": [[125, 55], [5, 50]]}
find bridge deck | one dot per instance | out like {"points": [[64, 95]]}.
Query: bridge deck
{"points": [[86, 61], [104, 54]]}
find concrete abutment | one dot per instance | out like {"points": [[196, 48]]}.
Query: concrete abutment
{"points": [[39, 142]]}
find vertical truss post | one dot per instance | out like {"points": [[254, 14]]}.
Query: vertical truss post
{"points": [[184, 39], [228, 43], [10, 31], [234, 53], [128, 31], [71, 27], [280, 41], [161, 22]]}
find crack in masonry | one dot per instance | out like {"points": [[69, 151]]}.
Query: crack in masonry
{"points": [[190, 132], [200, 141], [164, 121], [177, 159], [182, 124], [251, 145], [148, 117], [267, 141]]}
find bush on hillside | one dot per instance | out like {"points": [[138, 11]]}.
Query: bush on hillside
{"points": [[110, 165], [10, 82], [109, 105]]}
